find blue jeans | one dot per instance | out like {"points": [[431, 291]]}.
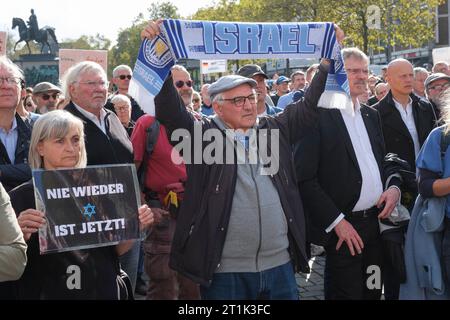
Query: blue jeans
{"points": [[274, 284]]}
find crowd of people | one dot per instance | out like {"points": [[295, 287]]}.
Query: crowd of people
{"points": [[345, 179]]}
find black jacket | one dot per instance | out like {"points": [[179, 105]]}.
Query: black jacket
{"points": [[396, 135], [14, 174], [329, 176], [113, 148], [204, 215]]}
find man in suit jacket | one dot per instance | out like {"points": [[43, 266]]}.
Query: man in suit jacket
{"points": [[342, 179], [407, 120], [15, 134]]}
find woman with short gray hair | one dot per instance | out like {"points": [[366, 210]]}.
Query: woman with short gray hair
{"points": [[122, 108], [57, 142]]}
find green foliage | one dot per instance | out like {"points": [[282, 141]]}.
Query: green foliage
{"points": [[97, 42], [164, 10], [403, 22], [129, 39]]}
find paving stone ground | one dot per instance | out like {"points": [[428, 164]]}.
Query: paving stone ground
{"points": [[311, 285]]}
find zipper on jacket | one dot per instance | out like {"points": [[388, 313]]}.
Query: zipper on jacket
{"points": [[286, 177], [218, 180], [259, 216]]}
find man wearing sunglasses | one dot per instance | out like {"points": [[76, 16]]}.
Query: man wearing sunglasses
{"points": [[46, 96], [121, 78]]}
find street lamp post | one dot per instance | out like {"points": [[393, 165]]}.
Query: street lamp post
{"points": [[388, 27]]}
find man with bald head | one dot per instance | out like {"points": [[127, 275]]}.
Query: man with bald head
{"points": [[406, 120]]}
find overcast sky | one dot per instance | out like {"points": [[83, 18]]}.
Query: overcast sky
{"points": [[71, 19]]}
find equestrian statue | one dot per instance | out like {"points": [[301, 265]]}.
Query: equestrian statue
{"points": [[32, 32]]}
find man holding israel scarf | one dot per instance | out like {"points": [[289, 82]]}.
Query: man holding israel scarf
{"points": [[241, 229]]}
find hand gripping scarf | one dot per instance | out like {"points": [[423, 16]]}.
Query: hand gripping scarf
{"points": [[207, 40]]}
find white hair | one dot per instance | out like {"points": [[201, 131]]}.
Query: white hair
{"points": [[75, 72], [11, 67], [354, 53], [120, 98], [122, 67], [179, 67]]}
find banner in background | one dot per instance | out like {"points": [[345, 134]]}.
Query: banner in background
{"points": [[441, 54], [3, 39], [70, 57], [86, 208]]}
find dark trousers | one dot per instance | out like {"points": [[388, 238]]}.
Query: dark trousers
{"points": [[446, 252], [391, 280], [350, 277], [164, 283]]}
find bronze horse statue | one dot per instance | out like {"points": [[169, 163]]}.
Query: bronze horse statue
{"points": [[41, 36]]}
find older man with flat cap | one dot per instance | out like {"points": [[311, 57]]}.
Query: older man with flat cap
{"points": [[241, 229], [435, 85], [46, 96]]}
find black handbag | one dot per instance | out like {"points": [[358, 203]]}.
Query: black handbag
{"points": [[124, 287]]}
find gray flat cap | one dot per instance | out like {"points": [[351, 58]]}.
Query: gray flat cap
{"points": [[227, 83], [44, 87], [434, 77]]}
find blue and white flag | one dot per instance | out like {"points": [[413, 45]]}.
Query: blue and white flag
{"points": [[207, 40]]}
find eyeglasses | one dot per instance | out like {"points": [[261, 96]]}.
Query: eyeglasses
{"points": [[180, 83], [122, 108], [240, 101], [46, 96], [440, 87], [123, 77], [356, 71], [93, 84], [10, 80], [195, 100]]}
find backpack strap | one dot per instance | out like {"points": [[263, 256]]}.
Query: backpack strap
{"points": [[152, 134]]}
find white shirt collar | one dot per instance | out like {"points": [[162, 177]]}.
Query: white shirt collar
{"points": [[100, 123], [400, 106], [356, 108]]}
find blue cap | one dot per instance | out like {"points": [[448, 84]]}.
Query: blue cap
{"points": [[282, 79]]}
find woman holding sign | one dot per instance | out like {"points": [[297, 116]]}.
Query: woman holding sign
{"points": [[58, 142]]}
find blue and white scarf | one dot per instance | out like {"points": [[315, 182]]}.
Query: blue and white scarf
{"points": [[207, 40]]}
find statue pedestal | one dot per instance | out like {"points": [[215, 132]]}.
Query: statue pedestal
{"points": [[37, 57], [39, 68]]}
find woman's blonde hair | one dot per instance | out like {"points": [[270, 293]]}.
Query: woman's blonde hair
{"points": [[53, 125]]}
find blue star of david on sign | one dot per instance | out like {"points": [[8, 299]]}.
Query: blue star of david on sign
{"points": [[89, 211]]}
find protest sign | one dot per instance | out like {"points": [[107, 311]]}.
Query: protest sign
{"points": [[3, 37], [88, 207], [70, 57]]}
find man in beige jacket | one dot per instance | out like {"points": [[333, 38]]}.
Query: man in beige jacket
{"points": [[13, 249]]}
